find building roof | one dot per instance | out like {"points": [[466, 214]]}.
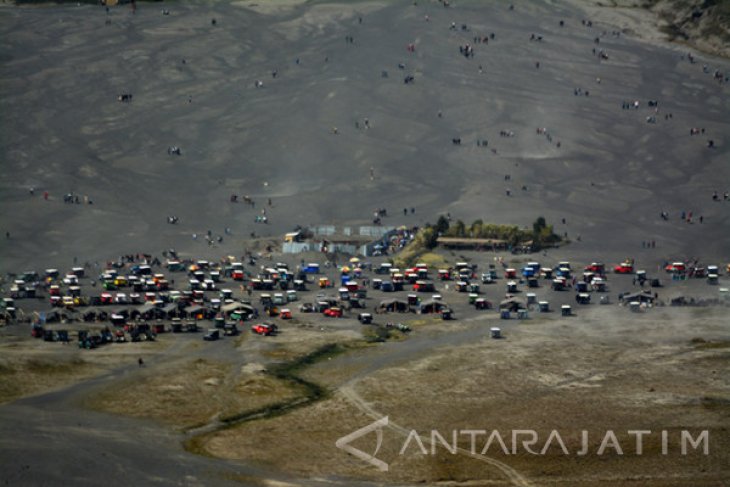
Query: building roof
{"points": [[470, 241]]}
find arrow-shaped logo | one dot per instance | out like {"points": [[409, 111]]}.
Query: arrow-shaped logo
{"points": [[377, 426]]}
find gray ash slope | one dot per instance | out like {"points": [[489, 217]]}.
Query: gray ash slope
{"points": [[64, 130]]}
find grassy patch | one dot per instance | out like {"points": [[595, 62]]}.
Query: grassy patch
{"points": [[280, 354], [379, 334], [433, 260], [196, 445], [245, 479], [715, 403], [242, 337], [421, 322], [308, 391], [179, 395], [701, 344], [287, 371], [21, 378], [39, 366]]}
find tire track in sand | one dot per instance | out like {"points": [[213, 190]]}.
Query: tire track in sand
{"points": [[348, 392]]}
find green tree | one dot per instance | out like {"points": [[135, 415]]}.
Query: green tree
{"points": [[442, 225], [459, 229], [475, 231], [538, 226], [430, 237]]}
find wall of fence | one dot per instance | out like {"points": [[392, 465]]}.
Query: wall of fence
{"points": [[299, 247], [323, 230], [375, 231], [379, 234]]}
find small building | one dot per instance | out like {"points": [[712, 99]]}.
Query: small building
{"points": [[455, 243]]}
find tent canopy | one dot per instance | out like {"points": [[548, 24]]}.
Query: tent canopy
{"points": [[393, 304], [511, 303], [231, 307]]}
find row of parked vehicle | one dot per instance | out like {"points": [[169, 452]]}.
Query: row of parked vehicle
{"points": [[88, 340], [231, 329]]}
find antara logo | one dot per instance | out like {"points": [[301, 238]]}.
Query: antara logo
{"points": [[377, 426]]}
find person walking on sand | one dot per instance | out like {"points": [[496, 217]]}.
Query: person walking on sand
{"points": [[140, 362]]}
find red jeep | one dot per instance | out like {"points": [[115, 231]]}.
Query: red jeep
{"points": [[624, 268], [596, 267], [676, 268], [264, 329], [333, 312]]}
